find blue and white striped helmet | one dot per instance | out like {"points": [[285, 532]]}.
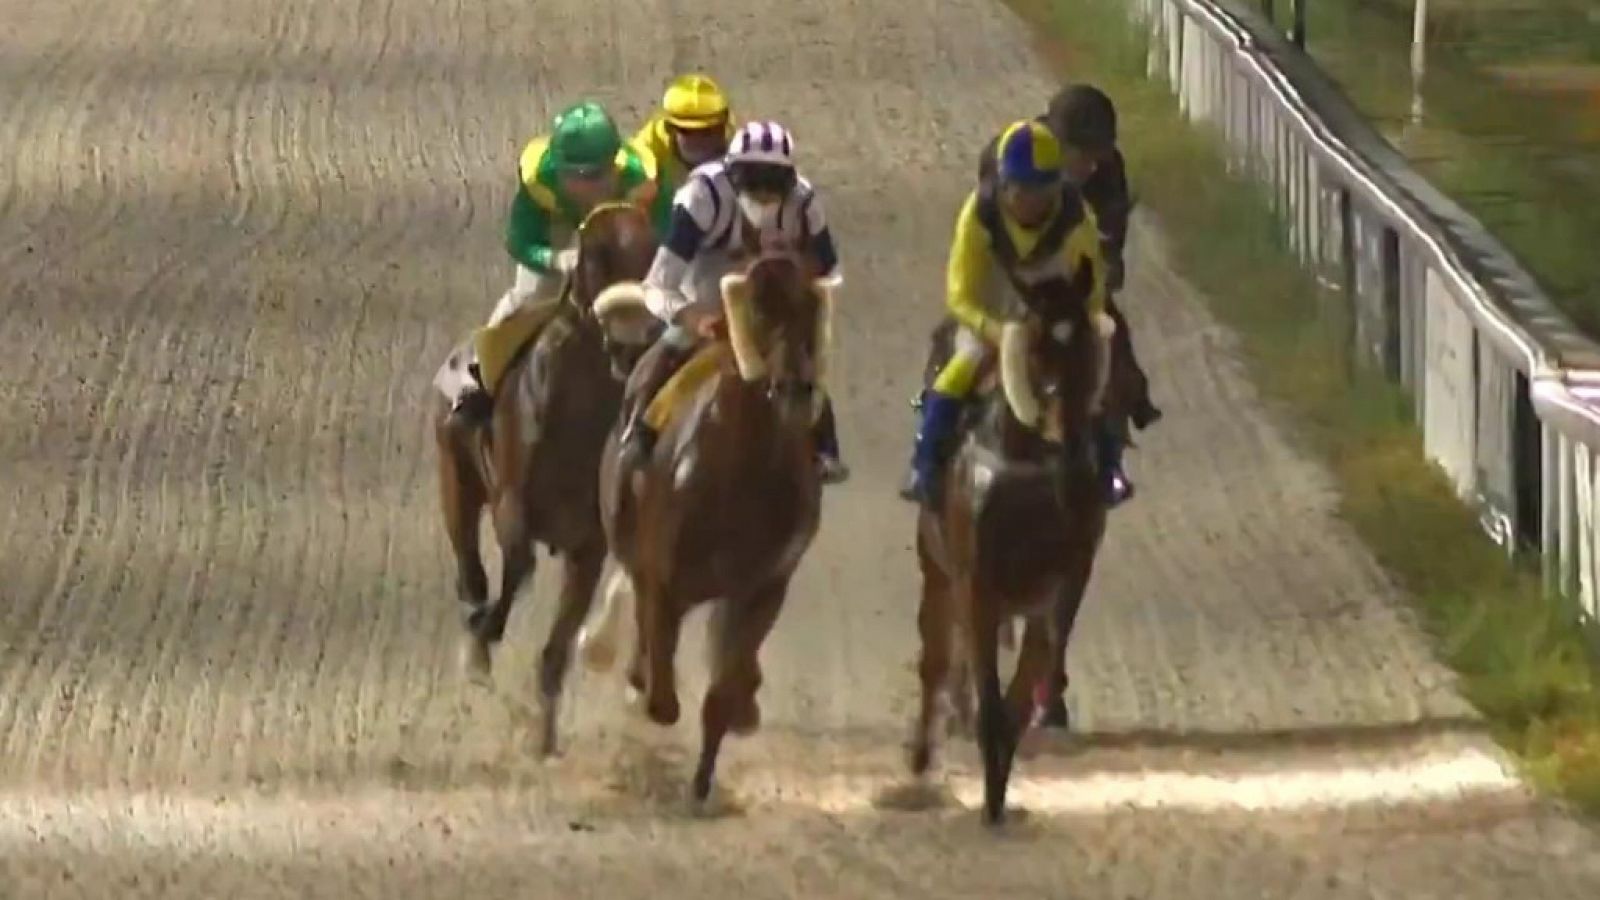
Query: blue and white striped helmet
{"points": [[762, 142]]}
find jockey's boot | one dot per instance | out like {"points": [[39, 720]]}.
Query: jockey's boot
{"points": [[1145, 413], [826, 435], [638, 438], [1108, 445], [940, 414], [472, 406]]}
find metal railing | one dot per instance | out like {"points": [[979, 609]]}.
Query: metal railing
{"points": [[1507, 391]]}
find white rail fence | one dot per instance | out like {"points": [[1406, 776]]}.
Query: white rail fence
{"points": [[1507, 390]]}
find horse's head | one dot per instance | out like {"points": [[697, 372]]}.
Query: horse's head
{"points": [[780, 327], [616, 245], [1053, 366]]}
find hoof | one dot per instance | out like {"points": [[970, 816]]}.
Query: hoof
{"points": [[700, 794], [475, 660], [663, 710], [633, 698], [549, 720], [1054, 715], [744, 719], [1048, 711], [921, 758], [598, 651]]}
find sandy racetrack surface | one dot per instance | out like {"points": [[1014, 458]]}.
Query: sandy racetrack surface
{"points": [[235, 241]]}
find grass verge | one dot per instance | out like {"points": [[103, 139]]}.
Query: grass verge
{"points": [[1520, 657]]}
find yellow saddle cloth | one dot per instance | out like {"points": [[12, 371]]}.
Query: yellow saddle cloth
{"points": [[497, 345], [684, 384]]}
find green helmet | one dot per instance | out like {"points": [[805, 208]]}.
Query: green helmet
{"points": [[585, 139]]}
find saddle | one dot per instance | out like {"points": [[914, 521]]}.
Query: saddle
{"points": [[685, 383], [497, 346]]}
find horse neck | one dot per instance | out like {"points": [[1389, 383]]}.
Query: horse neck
{"points": [[763, 439]]}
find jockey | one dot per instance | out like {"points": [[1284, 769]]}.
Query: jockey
{"points": [[754, 186], [582, 163], [1031, 224], [693, 127], [1085, 121]]}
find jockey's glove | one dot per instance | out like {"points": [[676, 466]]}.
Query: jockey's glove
{"points": [[992, 329], [567, 260], [667, 304]]}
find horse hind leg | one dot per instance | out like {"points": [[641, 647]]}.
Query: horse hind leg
{"points": [[1064, 616], [486, 625], [739, 627], [580, 574], [934, 668]]}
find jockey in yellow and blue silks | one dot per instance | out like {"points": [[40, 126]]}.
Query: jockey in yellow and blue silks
{"points": [[1031, 225]]}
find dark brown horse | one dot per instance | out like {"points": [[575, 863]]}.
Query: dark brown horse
{"points": [[1016, 535], [728, 503], [535, 465]]}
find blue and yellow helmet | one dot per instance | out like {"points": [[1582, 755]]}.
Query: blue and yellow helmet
{"points": [[1028, 154]]}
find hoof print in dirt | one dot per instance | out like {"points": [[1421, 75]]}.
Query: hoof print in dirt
{"points": [[919, 795]]}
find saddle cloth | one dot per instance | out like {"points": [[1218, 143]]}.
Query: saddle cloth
{"points": [[684, 384]]}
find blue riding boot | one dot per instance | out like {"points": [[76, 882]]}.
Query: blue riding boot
{"points": [[1109, 445], [940, 414]]}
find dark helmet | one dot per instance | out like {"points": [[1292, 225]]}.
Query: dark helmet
{"points": [[1084, 118]]}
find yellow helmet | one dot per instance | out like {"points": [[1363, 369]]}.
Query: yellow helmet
{"points": [[694, 102]]}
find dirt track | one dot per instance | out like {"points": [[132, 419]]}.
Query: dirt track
{"points": [[235, 240]]}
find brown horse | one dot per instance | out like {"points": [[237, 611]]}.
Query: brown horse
{"points": [[729, 501], [1016, 535], [1127, 387], [535, 464]]}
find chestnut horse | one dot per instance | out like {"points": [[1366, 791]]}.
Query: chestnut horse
{"points": [[728, 503], [535, 465], [1021, 521]]}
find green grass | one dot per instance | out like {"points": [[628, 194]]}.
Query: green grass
{"points": [[1517, 156], [1521, 659], [1498, 31]]}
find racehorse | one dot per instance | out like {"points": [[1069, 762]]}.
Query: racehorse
{"points": [[1016, 533], [535, 464], [728, 502]]}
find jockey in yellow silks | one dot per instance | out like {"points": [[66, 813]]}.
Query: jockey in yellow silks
{"points": [[1029, 226], [693, 127]]}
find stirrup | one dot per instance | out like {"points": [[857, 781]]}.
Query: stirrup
{"points": [[832, 469]]}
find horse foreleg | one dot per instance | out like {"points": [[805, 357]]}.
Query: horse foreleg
{"points": [[580, 574], [996, 730], [1064, 617], [662, 621], [740, 626], [935, 627]]}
